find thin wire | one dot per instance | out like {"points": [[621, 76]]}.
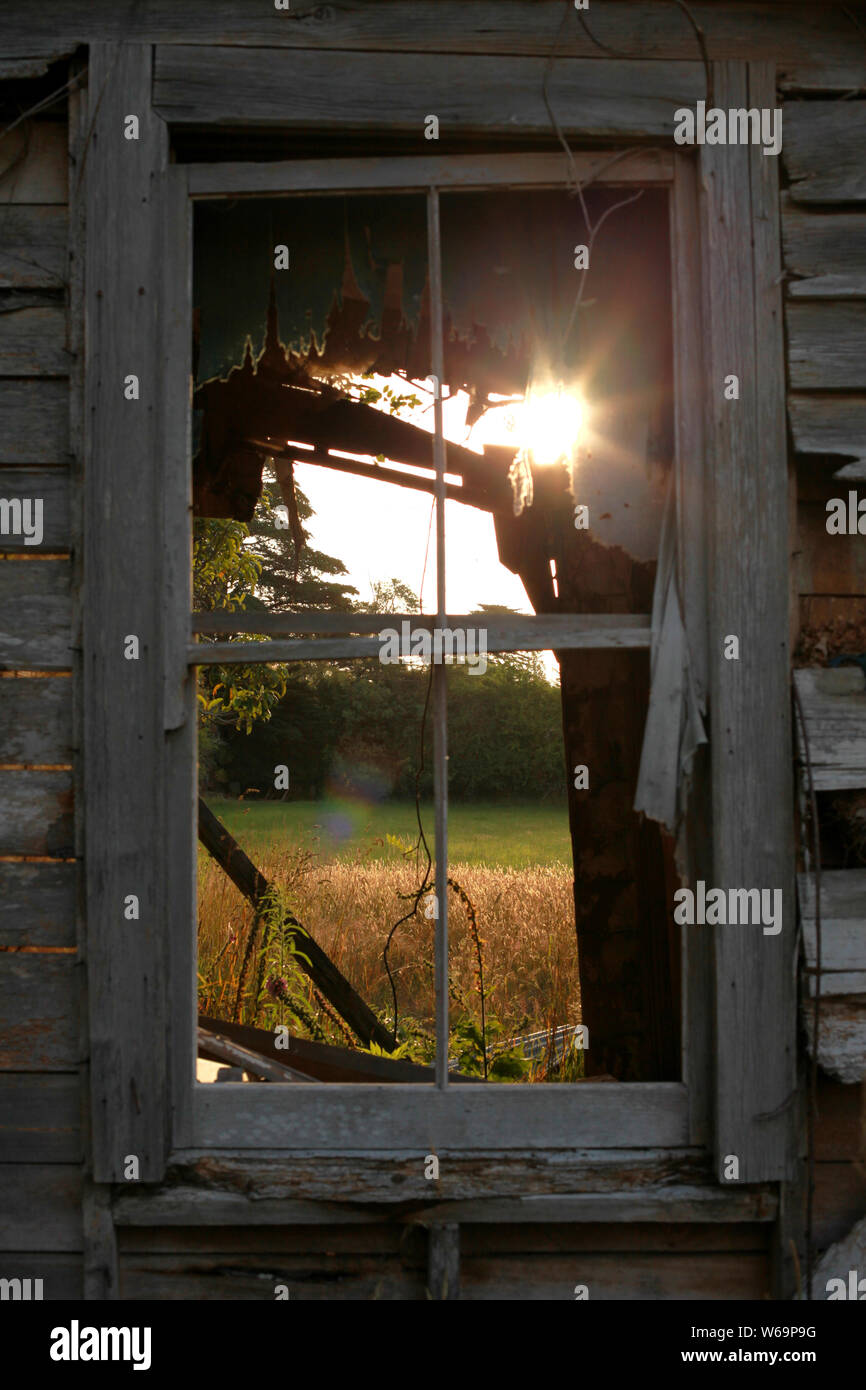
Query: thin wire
{"points": [[43, 105], [816, 1016], [422, 840]]}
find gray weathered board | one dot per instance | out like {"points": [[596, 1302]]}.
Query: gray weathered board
{"points": [[834, 710], [37, 904], [826, 344], [822, 150], [224, 86], [35, 614], [843, 930], [751, 741], [831, 425], [828, 249]]}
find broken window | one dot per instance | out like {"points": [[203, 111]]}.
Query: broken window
{"points": [[337, 338]]}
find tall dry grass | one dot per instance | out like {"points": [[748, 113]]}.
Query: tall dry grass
{"points": [[525, 920]]}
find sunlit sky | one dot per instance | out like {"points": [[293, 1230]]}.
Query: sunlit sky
{"points": [[382, 531]]}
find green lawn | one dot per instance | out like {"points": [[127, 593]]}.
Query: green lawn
{"points": [[515, 835]]}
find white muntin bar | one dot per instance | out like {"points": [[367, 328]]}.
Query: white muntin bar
{"points": [[439, 675]]}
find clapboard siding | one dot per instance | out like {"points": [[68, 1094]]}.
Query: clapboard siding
{"points": [[33, 250], [831, 425], [826, 345], [33, 339], [35, 417], [37, 904], [828, 249], [528, 1261], [36, 813], [35, 615], [41, 1207], [40, 1118], [241, 87], [816, 49], [33, 164], [35, 720], [51, 487], [39, 1019], [521, 1278], [822, 149]]}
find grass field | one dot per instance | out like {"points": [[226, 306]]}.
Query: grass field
{"points": [[496, 834], [340, 869]]}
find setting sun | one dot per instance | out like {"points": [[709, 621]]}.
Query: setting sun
{"points": [[545, 424]]}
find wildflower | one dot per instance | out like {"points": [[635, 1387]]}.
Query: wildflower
{"points": [[277, 986]]}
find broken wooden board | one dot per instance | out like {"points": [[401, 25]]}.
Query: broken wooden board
{"points": [[826, 424], [841, 1036], [834, 709], [216, 1048], [843, 930], [323, 1062]]}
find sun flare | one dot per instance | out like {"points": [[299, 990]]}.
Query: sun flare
{"points": [[545, 425]]}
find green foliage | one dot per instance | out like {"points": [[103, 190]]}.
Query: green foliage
{"points": [[288, 580], [344, 730], [233, 569]]}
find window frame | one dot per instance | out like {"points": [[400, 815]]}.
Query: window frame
{"points": [[145, 1097]]}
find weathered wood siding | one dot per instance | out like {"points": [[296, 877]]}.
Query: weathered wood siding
{"points": [[824, 249], [40, 975]]}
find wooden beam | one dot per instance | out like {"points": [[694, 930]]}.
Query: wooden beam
{"points": [[122, 699], [321, 970], [490, 1186], [749, 698], [464, 171], [324, 1062], [217, 1048], [544, 632], [430, 1119], [196, 85]]}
